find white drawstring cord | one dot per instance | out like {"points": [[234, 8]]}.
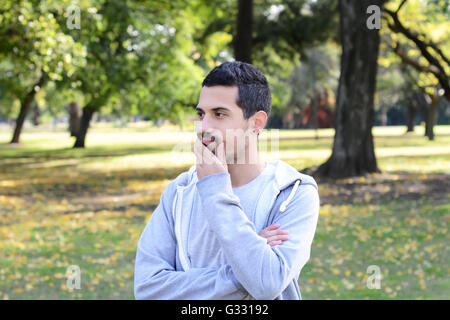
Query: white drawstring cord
{"points": [[286, 202]]}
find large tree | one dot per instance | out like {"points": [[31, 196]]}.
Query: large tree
{"points": [[289, 27], [438, 63], [107, 34], [33, 51], [353, 148], [128, 45], [423, 45]]}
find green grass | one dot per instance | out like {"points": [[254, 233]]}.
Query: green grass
{"points": [[61, 207], [406, 240]]}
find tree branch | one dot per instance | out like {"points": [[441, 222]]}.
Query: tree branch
{"points": [[435, 67], [400, 6], [439, 52], [405, 59]]}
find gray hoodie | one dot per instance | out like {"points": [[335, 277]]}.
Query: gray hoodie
{"points": [[239, 264]]}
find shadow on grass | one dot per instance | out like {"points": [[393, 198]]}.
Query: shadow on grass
{"points": [[63, 185], [70, 153], [17, 160], [119, 208], [387, 186]]}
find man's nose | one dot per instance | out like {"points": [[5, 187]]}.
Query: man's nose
{"points": [[204, 127]]}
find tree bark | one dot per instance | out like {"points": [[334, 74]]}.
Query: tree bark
{"points": [[431, 116], [25, 105], [35, 115], [429, 127], [243, 40], [88, 112], [411, 118], [353, 148], [74, 118], [425, 118]]}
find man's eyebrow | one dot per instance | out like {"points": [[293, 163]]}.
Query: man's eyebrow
{"points": [[214, 109]]}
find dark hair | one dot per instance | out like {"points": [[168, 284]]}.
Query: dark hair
{"points": [[254, 93]]}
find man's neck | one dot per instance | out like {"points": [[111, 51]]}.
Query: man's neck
{"points": [[242, 174]]}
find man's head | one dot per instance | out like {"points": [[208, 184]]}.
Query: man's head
{"points": [[234, 103]]}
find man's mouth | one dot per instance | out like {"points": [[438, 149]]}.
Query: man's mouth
{"points": [[207, 142]]}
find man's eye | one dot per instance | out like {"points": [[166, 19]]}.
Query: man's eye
{"points": [[199, 115], [220, 115]]}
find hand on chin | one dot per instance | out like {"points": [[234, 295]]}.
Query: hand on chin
{"points": [[210, 159]]}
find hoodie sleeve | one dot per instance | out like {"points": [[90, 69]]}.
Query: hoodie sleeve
{"points": [[155, 276], [264, 271]]}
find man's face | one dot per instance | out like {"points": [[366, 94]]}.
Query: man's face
{"points": [[220, 119]]}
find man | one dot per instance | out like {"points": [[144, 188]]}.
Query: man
{"points": [[214, 234]]}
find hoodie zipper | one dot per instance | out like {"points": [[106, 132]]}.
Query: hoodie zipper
{"points": [[177, 218]]}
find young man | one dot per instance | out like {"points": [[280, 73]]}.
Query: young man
{"points": [[215, 234]]}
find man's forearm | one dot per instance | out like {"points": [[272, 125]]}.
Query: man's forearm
{"points": [[263, 271], [193, 284]]}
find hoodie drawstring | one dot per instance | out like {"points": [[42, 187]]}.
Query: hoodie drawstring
{"points": [[286, 202]]}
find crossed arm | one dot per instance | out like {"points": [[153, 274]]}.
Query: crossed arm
{"points": [[274, 263], [156, 277]]}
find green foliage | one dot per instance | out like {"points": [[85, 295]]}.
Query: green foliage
{"points": [[430, 20], [32, 43], [149, 57]]}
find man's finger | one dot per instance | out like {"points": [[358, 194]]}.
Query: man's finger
{"points": [[273, 227], [211, 146], [274, 243], [220, 153], [277, 238], [272, 233], [204, 156], [197, 153]]}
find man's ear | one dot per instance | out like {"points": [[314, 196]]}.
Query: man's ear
{"points": [[259, 121]]}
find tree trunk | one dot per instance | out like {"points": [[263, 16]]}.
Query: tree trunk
{"points": [[88, 112], [429, 128], [353, 149], [25, 105], [411, 118], [35, 115], [243, 40], [431, 116], [74, 118]]}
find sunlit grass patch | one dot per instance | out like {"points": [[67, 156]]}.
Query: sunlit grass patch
{"points": [[405, 240]]}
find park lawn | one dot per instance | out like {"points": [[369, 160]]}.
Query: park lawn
{"points": [[61, 207]]}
